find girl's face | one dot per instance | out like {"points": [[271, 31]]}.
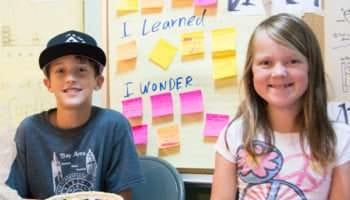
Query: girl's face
{"points": [[280, 74]]}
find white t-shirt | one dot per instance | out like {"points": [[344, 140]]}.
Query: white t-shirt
{"points": [[285, 172]]}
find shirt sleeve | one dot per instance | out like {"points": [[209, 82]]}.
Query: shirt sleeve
{"points": [[17, 178], [343, 143], [229, 140], [124, 170]]}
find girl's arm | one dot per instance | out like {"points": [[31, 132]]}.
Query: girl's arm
{"points": [[224, 180], [340, 186]]}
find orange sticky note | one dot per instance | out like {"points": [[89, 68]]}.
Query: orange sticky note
{"points": [[151, 6], [127, 50], [168, 136], [182, 3]]}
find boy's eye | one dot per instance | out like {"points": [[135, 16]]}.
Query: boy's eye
{"points": [[58, 71]]}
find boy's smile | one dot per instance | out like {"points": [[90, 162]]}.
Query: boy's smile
{"points": [[72, 79]]}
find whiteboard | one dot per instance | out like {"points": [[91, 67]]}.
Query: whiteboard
{"points": [[219, 96]]}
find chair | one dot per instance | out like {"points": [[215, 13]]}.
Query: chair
{"points": [[163, 182]]}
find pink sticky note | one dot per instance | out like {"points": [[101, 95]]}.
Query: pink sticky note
{"points": [[140, 134], [162, 104], [191, 102], [132, 107], [214, 123], [204, 2]]}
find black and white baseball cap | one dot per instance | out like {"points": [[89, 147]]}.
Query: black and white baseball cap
{"points": [[72, 42]]}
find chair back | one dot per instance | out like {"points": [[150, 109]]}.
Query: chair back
{"points": [[163, 182]]}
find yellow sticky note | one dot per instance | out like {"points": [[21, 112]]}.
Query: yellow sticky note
{"points": [[192, 45], [168, 136], [151, 6], [224, 42], [127, 50], [127, 6], [224, 67], [163, 53]]}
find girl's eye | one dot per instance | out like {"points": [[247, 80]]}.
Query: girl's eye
{"points": [[264, 63], [294, 61]]}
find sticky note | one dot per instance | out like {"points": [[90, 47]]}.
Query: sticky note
{"points": [[224, 42], [140, 134], [127, 6], [192, 45], [168, 136], [127, 50], [163, 53], [214, 124], [224, 67], [182, 3], [151, 6], [191, 102], [204, 2], [132, 107], [162, 104]]}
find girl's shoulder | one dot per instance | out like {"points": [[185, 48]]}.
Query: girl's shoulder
{"points": [[235, 126]]}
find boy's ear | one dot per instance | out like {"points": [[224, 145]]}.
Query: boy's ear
{"points": [[46, 82], [99, 82]]}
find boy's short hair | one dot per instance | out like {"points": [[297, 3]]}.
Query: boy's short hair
{"points": [[72, 43]]}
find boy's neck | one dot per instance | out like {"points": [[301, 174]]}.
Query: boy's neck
{"points": [[70, 118]]}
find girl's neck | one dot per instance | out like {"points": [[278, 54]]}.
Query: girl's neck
{"points": [[70, 118], [284, 120]]}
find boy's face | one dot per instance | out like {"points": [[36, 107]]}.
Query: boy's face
{"points": [[72, 80]]}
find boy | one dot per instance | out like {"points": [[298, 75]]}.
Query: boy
{"points": [[75, 146]]}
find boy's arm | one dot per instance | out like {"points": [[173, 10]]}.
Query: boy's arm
{"points": [[126, 194], [17, 178], [340, 182]]}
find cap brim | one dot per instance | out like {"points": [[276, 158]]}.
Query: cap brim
{"points": [[54, 52]]}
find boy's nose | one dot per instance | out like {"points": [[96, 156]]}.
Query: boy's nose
{"points": [[279, 70], [70, 77]]}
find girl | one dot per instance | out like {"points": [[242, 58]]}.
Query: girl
{"points": [[281, 145]]}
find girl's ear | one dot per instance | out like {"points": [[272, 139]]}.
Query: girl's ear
{"points": [[99, 82], [46, 82]]}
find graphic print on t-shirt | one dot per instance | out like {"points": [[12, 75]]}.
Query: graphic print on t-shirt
{"points": [[73, 172], [261, 175]]}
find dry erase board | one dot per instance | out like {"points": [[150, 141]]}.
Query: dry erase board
{"points": [[135, 75], [173, 64]]}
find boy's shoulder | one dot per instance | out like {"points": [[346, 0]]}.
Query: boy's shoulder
{"points": [[108, 115], [36, 118]]}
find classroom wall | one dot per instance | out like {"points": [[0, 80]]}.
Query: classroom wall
{"points": [[22, 92]]}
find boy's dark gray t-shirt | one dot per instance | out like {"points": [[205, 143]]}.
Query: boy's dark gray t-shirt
{"points": [[100, 156]]}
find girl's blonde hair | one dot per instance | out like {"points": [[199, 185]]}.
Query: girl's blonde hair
{"points": [[316, 130]]}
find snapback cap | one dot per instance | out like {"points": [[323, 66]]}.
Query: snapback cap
{"points": [[72, 42]]}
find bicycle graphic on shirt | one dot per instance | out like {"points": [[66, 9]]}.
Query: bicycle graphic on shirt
{"points": [[263, 179]]}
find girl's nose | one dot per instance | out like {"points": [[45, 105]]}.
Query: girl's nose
{"points": [[279, 70]]}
